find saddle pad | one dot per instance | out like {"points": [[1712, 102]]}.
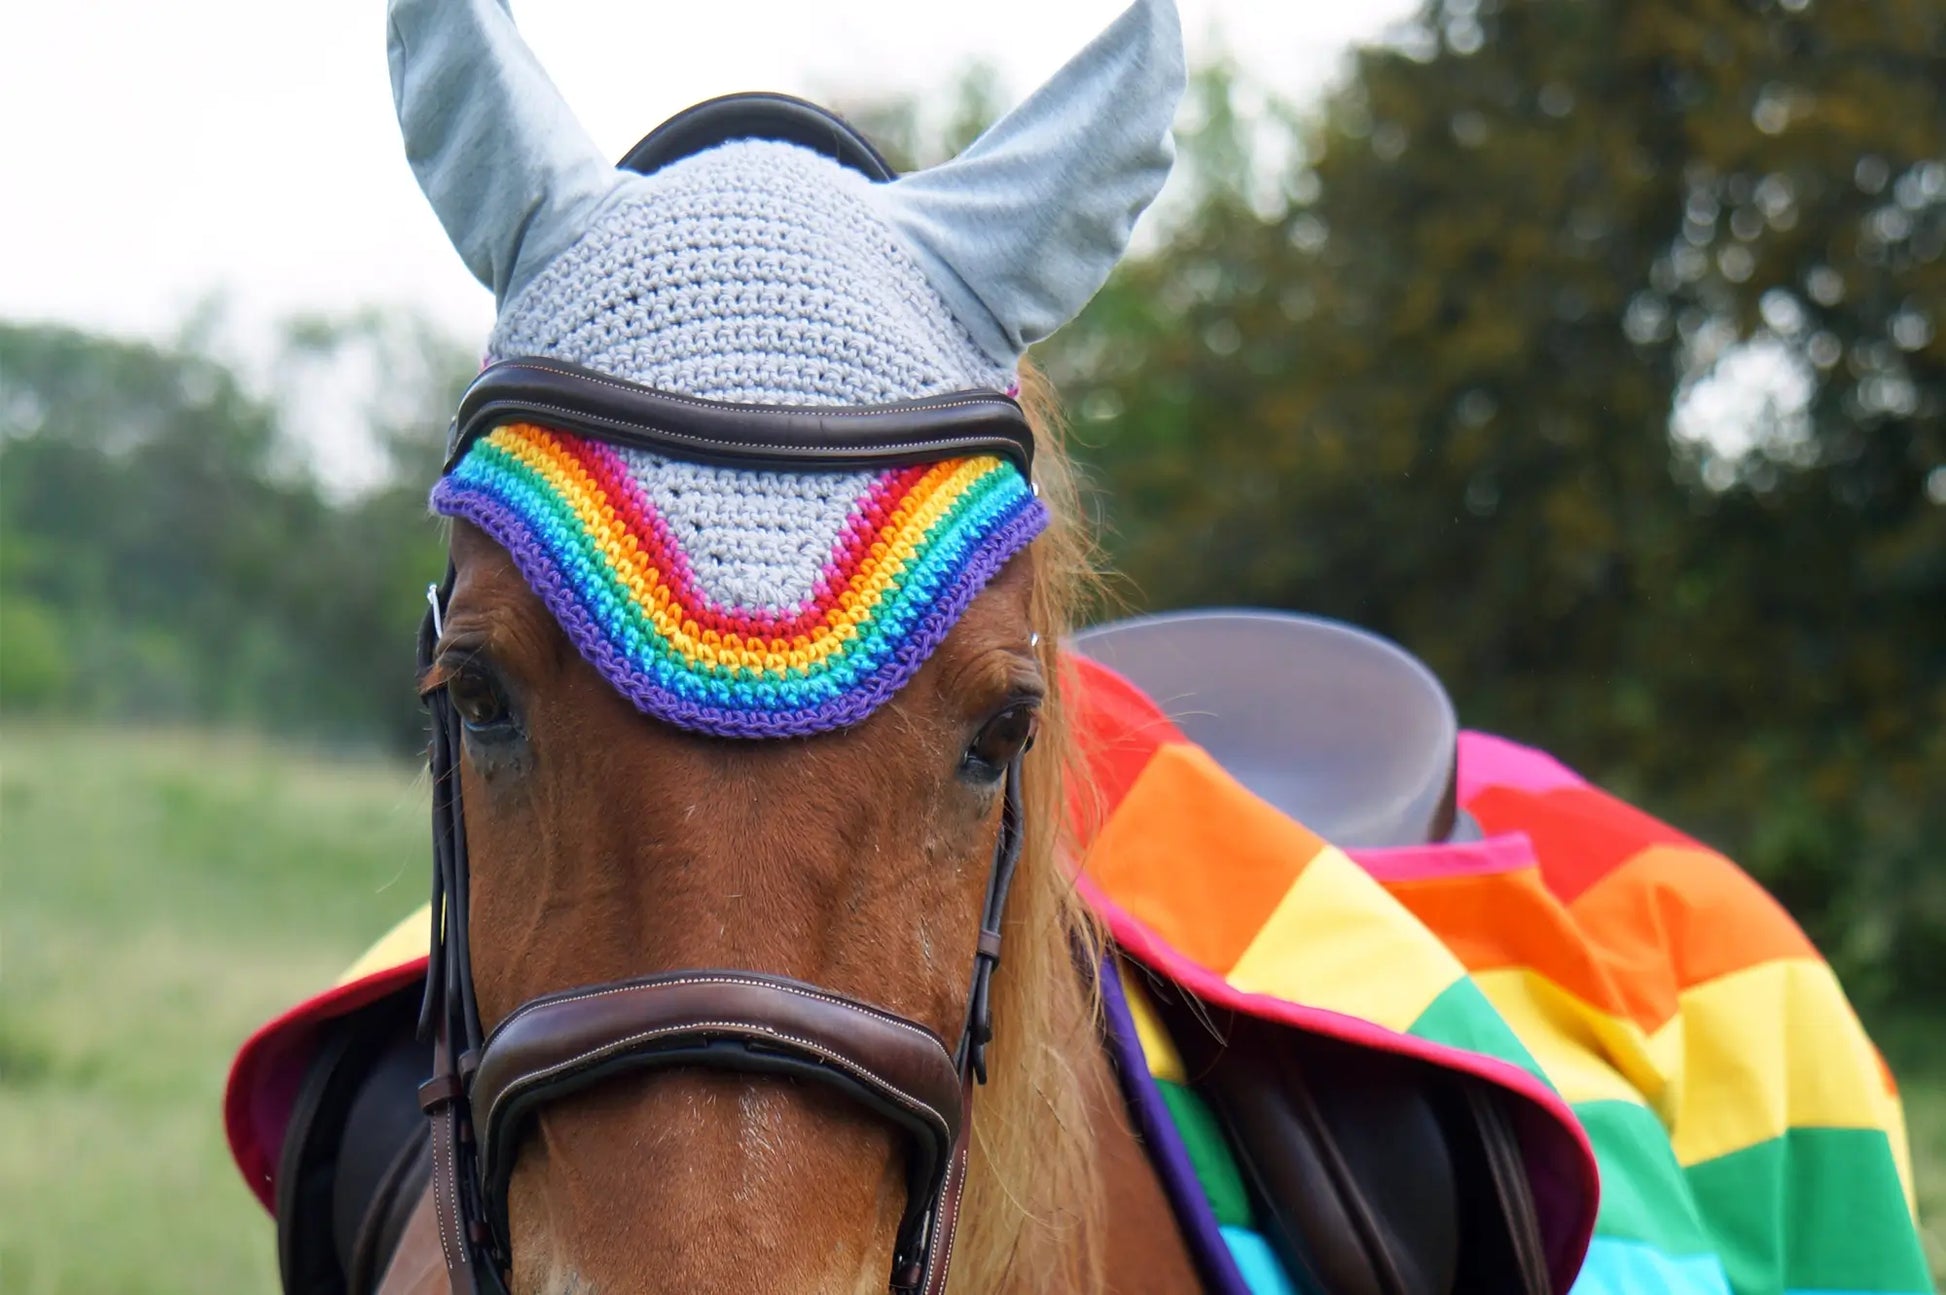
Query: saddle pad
{"points": [[1748, 1137], [1193, 1158]]}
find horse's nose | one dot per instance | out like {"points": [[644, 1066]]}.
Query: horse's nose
{"points": [[698, 1181]]}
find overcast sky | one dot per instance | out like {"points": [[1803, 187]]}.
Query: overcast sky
{"points": [[156, 152]]}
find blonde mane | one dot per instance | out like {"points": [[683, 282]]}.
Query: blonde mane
{"points": [[1033, 1215]]}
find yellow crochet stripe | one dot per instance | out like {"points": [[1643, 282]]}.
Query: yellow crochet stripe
{"points": [[930, 499]]}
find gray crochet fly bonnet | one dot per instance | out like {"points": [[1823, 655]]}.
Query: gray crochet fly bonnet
{"points": [[766, 257]]}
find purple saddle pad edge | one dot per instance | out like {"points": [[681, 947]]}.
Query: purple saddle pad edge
{"points": [[1164, 1145]]}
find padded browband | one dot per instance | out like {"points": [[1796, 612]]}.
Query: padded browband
{"points": [[566, 398]]}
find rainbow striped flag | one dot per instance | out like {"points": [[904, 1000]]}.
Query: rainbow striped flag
{"points": [[1639, 996]]}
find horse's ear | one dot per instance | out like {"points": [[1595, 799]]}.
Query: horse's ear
{"points": [[511, 174], [1020, 230]]}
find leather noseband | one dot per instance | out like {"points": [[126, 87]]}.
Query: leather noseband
{"points": [[485, 1089]]}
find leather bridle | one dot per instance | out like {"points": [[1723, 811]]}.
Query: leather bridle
{"points": [[486, 1087]]}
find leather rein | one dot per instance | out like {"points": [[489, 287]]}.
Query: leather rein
{"points": [[486, 1087]]}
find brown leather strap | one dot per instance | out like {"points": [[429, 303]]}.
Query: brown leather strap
{"points": [[569, 398], [448, 1117], [1506, 1228], [943, 1227], [735, 1020], [385, 1218]]}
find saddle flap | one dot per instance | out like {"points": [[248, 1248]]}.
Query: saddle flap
{"points": [[1366, 1169]]}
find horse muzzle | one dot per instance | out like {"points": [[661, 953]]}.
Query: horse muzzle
{"points": [[555, 1046]]}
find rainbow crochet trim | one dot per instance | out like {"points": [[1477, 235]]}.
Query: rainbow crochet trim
{"points": [[741, 603]]}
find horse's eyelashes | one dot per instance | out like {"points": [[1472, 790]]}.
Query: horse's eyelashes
{"points": [[1001, 739], [480, 700]]}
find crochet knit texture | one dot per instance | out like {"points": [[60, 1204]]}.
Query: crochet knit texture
{"points": [[728, 601]]}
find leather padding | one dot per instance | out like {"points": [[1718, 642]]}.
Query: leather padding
{"points": [[554, 1046], [351, 1166], [568, 398], [306, 1259]]}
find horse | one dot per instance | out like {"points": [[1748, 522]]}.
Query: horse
{"points": [[761, 946], [800, 916], [734, 1178]]}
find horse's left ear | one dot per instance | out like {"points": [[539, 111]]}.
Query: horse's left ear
{"points": [[507, 167], [1020, 230]]}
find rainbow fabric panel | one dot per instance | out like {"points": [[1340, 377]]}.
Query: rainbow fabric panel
{"points": [[1751, 1138], [1747, 1137], [741, 603], [1669, 1029]]}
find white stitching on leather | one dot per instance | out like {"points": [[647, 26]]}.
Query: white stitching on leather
{"points": [[955, 1184], [534, 1078], [814, 995], [835, 411], [443, 1184]]}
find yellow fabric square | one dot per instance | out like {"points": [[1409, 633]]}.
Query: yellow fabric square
{"points": [[1339, 941], [404, 943], [1157, 1047], [1771, 1048], [1588, 1055]]}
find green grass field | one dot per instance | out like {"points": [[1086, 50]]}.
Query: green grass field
{"points": [[164, 894]]}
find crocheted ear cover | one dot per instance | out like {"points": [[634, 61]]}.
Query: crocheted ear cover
{"points": [[728, 601], [744, 604], [767, 604]]}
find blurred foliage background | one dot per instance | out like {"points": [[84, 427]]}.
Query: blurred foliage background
{"points": [[1592, 350]]}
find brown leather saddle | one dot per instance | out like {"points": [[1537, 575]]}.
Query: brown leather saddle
{"points": [[356, 1156], [1370, 1173]]}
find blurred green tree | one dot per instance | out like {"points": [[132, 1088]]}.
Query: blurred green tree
{"points": [[1591, 350], [167, 553]]}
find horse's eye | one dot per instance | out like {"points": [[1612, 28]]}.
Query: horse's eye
{"points": [[1002, 738], [478, 698]]}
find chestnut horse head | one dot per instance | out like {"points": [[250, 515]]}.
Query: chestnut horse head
{"points": [[762, 545]]}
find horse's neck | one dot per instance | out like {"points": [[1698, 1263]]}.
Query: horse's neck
{"points": [[1144, 1253]]}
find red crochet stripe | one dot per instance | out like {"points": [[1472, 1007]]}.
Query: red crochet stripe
{"points": [[639, 515]]}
